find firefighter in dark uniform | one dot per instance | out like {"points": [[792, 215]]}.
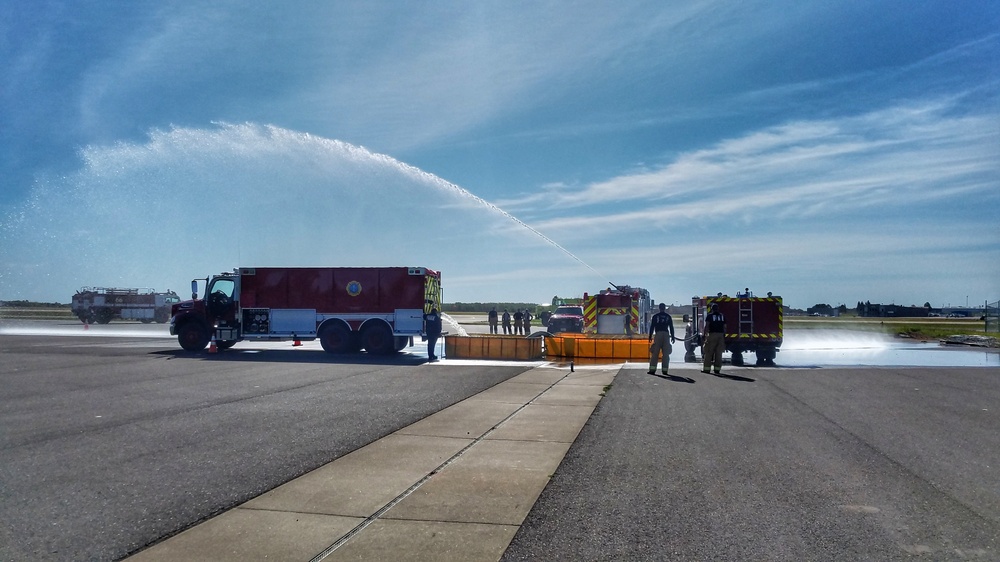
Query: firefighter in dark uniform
{"points": [[506, 322], [661, 327], [715, 340], [432, 327], [493, 320]]}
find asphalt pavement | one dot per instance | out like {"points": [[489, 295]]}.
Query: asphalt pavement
{"points": [[126, 446]]}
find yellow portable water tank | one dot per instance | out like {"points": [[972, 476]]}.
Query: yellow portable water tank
{"points": [[493, 346]]}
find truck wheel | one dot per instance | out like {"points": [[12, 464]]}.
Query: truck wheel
{"points": [[737, 359], [401, 342], [193, 336], [765, 356], [226, 344], [377, 339], [335, 338], [104, 316]]}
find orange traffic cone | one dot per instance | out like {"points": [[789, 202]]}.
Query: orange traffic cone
{"points": [[86, 326], [212, 348], [297, 343]]}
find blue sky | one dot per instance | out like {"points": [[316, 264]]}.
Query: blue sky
{"points": [[829, 152]]}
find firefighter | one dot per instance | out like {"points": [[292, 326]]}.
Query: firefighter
{"points": [[715, 340], [432, 326], [518, 322], [690, 340], [506, 322], [493, 320], [527, 322], [661, 326]]}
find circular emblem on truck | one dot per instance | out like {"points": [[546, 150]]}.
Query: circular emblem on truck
{"points": [[354, 288]]}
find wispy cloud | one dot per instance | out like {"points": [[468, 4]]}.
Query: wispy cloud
{"points": [[902, 156]]}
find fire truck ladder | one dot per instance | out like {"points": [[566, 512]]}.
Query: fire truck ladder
{"points": [[746, 316]]}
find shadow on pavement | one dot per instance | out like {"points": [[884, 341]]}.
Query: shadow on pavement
{"points": [[296, 356], [673, 378], [733, 377]]}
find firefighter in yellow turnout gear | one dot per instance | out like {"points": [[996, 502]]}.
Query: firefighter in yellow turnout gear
{"points": [[715, 340], [661, 327]]}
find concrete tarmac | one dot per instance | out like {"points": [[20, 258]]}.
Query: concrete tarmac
{"points": [[541, 463]]}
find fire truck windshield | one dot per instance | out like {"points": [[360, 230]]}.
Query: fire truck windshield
{"points": [[224, 287]]}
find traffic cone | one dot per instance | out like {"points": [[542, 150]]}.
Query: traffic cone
{"points": [[86, 326], [297, 343], [212, 348]]}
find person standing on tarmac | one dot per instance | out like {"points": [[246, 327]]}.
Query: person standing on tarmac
{"points": [[690, 340], [527, 322], [506, 322], [432, 327], [715, 340], [518, 321], [661, 326], [493, 320]]}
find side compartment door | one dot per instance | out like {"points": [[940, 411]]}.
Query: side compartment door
{"points": [[409, 321]]}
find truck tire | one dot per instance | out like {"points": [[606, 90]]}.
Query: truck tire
{"points": [[104, 316], [737, 359], [377, 339], [193, 336], [401, 343], [765, 356], [336, 338]]}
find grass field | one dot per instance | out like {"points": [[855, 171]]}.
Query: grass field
{"points": [[39, 313], [919, 328]]}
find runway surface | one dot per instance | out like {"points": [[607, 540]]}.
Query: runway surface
{"points": [[113, 441]]}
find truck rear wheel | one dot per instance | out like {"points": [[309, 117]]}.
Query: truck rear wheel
{"points": [[737, 359], [336, 338], [765, 356], [193, 336], [377, 339]]}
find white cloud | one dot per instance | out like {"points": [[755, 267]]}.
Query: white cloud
{"points": [[903, 156]]}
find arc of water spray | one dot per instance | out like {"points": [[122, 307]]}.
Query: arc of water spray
{"points": [[421, 174]]}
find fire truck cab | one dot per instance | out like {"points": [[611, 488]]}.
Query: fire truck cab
{"points": [[378, 309]]}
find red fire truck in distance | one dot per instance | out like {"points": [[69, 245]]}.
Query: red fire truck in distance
{"points": [[378, 309], [752, 324]]}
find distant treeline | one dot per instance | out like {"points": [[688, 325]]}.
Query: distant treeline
{"points": [[486, 306], [32, 304]]}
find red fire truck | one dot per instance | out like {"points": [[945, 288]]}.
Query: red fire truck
{"points": [[103, 304], [378, 309], [752, 324], [623, 311]]}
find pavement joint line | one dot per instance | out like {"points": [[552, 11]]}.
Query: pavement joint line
{"points": [[413, 488]]}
